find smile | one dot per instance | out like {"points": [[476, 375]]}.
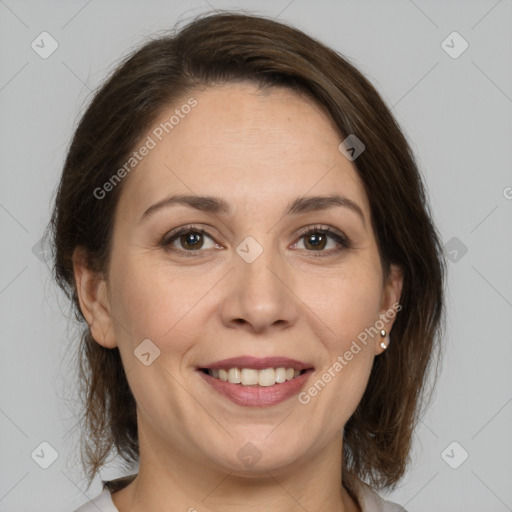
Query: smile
{"points": [[256, 382], [254, 377]]}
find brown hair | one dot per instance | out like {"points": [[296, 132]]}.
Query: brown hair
{"points": [[228, 48]]}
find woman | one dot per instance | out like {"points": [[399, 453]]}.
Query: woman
{"points": [[245, 235]]}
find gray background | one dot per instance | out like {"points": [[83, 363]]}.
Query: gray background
{"points": [[456, 113]]}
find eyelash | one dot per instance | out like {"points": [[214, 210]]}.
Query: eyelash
{"points": [[341, 239]]}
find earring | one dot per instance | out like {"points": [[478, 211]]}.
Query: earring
{"points": [[382, 344]]}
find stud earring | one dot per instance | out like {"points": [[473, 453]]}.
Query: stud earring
{"points": [[382, 344]]}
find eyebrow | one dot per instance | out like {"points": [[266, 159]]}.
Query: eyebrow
{"points": [[212, 204]]}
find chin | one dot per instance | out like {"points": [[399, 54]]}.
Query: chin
{"points": [[255, 459]]}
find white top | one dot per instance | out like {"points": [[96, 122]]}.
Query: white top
{"points": [[369, 501]]}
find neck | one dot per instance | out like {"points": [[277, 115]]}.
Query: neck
{"points": [[177, 480]]}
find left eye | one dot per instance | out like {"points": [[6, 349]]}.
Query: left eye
{"points": [[318, 240]]}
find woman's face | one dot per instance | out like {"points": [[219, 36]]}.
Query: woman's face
{"points": [[254, 288]]}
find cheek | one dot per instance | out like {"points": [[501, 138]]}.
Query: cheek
{"points": [[152, 301], [347, 302], [157, 301]]}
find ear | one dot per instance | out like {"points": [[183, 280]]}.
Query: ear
{"points": [[93, 298], [390, 304]]}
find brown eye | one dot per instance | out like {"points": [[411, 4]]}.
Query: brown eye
{"points": [[315, 241], [188, 240], [322, 240], [192, 240]]}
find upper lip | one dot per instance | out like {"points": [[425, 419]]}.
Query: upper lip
{"points": [[258, 363]]}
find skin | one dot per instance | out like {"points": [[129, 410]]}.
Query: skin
{"points": [[258, 151]]}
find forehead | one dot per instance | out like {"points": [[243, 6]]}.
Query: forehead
{"points": [[245, 145]]}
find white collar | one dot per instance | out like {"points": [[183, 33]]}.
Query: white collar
{"points": [[368, 499]]}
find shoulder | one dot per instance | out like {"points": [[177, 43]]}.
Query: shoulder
{"points": [[102, 502], [370, 501]]}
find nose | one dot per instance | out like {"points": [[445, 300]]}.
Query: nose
{"points": [[260, 295]]}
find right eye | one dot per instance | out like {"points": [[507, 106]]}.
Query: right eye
{"points": [[187, 240]]}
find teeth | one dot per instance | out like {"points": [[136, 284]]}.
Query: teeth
{"points": [[280, 375], [267, 377], [252, 377], [249, 377], [234, 376]]}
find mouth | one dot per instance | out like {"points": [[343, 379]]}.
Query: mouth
{"points": [[254, 377], [258, 382]]}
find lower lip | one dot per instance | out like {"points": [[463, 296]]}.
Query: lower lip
{"points": [[257, 396]]}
